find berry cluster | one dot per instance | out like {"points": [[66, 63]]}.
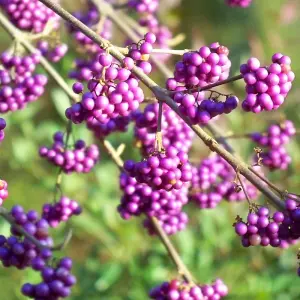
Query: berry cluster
{"points": [[139, 54], [260, 228], [166, 206], [81, 159], [3, 191], [199, 68], [2, 127], [201, 111], [266, 87], [29, 15], [144, 6], [91, 18], [53, 54], [19, 251], [279, 230], [277, 136], [60, 211], [169, 170], [119, 95], [238, 3], [119, 124], [19, 84], [56, 284], [181, 290], [213, 180], [174, 130]]}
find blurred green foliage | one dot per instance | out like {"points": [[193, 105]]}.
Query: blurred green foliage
{"points": [[116, 259]]}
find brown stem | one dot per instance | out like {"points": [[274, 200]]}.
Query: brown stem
{"points": [[270, 184], [182, 269], [215, 131], [243, 187], [113, 153]]}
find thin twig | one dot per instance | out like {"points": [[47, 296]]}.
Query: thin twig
{"points": [[270, 184], [182, 269], [170, 51], [113, 153], [243, 187]]}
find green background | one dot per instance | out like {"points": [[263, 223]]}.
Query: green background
{"points": [[116, 259]]}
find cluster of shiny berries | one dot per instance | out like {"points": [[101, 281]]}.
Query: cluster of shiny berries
{"points": [[144, 6], [19, 84], [118, 95], [29, 15], [2, 127], [199, 68], [91, 18], [238, 3], [267, 87], [213, 180], [119, 124], [167, 170], [274, 155], [140, 199], [56, 282], [53, 54], [175, 131], [81, 159], [262, 229], [3, 191], [201, 111], [176, 290], [60, 211], [139, 54], [19, 251]]}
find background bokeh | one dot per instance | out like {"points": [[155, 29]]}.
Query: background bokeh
{"points": [[116, 259]]}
